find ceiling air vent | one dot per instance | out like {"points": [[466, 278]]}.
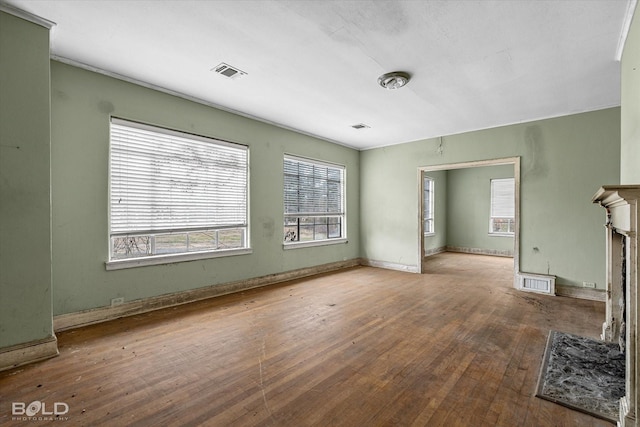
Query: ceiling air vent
{"points": [[228, 71], [360, 126]]}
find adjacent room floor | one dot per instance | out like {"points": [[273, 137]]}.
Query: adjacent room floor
{"points": [[457, 346]]}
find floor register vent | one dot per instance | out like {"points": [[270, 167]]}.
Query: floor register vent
{"points": [[538, 283]]}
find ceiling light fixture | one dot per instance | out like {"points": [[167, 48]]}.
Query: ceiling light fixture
{"points": [[394, 80]]}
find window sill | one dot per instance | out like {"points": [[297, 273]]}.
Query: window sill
{"points": [[501, 234], [429, 234], [298, 245], [172, 258]]}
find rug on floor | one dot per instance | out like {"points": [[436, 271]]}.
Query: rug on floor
{"points": [[583, 374]]}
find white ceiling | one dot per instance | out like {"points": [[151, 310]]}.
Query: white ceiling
{"points": [[313, 65]]}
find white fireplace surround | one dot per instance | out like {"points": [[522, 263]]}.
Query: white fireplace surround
{"points": [[621, 204]]}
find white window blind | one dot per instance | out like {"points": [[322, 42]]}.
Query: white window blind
{"points": [[313, 200], [163, 181], [428, 204], [502, 205]]}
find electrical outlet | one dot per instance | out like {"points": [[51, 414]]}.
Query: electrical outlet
{"points": [[588, 285], [117, 301]]}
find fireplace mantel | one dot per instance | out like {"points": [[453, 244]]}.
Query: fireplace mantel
{"points": [[621, 204]]}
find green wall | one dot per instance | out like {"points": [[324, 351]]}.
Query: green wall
{"points": [[82, 103], [25, 209], [630, 101], [469, 208], [462, 209], [563, 162]]}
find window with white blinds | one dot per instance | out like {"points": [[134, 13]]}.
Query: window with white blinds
{"points": [[173, 192], [313, 200], [428, 204], [502, 219]]}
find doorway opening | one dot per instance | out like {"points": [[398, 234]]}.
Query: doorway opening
{"points": [[428, 220]]}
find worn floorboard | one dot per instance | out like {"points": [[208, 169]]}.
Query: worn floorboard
{"points": [[457, 346]]}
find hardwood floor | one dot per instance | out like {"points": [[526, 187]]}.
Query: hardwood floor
{"points": [[457, 346]]}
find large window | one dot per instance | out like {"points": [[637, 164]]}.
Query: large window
{"points": [[502, 220], [428, 204], [313, 201], [175, 193]]}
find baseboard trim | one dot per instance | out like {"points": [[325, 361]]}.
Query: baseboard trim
{"points": [[435, 251], [389, 265], [33, 351], [580, 293], [102, 314], [480, 251]]}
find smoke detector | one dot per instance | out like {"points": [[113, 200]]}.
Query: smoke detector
{"points": [[228, 71]]}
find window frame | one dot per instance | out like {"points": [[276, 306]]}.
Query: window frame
{"points": [[342, 214], [511, 224], [114, 263], [428, 183]]}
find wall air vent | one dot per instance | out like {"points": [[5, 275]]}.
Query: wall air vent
{"points": [[538, 283], [228, 71], [360, 126]]}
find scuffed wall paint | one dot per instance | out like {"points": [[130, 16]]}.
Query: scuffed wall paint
{"points": [[25, 204], [535, 163], [630, 101]]}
